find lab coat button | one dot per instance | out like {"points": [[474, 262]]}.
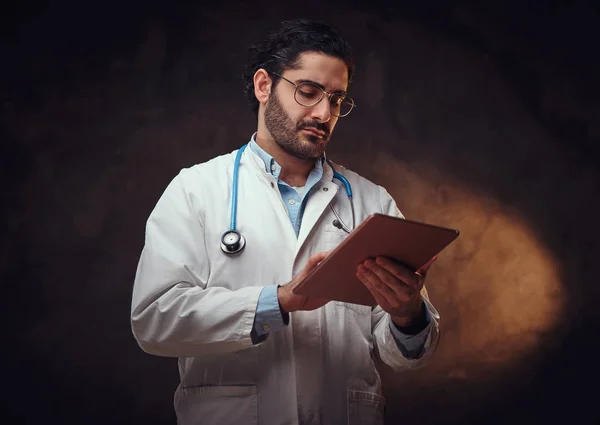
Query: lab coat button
{"points": [[325, 189], [273, 185]]}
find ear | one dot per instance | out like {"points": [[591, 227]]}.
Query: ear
{"points": [[262, 86]]}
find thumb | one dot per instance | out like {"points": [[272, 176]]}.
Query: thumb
{"points": [[315, 259], [423, 270]]}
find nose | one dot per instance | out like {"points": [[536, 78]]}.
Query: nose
{"points": [[321, 111]]}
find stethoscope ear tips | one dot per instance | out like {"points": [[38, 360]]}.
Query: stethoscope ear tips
{"points": [[232, 242]]}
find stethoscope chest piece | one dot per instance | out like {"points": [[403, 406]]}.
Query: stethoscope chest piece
{"points": [[232, 242]]}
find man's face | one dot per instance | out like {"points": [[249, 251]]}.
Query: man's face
{"points": [[300, 131]]}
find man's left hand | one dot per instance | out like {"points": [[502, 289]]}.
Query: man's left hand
{"points": [[396, 288]]}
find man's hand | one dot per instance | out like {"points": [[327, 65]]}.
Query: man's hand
{"points": [[395, 288], [288, 301]]}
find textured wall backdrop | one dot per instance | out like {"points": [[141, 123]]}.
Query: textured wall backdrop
{"points": [[479, 117]]}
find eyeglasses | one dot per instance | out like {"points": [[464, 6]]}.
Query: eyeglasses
{"points": [[309, 94]]}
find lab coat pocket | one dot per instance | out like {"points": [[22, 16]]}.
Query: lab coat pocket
{"points": [[356, 308], [365, 408], [333, 236], [216, 405]]}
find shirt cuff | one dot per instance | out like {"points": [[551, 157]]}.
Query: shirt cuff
{"points": [[268, 314], [412, 345]]}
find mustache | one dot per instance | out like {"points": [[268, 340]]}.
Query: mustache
{"points": [[314, 124]]}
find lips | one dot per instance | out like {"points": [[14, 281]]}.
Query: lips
{"points": [[314, 131]]}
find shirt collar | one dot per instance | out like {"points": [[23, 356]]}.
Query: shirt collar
{"points": [[271, 166], [268, 161]]}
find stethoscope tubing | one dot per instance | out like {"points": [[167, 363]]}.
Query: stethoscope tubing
{"points": [[234, 190], [234, 198]]}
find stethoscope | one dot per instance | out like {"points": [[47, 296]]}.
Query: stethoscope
{"points": [[232, 240]]}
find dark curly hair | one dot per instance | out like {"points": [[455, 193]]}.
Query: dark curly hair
{"points": [[281, 50]]}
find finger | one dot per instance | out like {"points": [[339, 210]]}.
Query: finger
{"points": [[385, 298], [400, 289], [401, 272], [420, 279], [377, 286], [379, 299]]}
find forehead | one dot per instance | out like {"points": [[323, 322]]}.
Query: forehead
{"points": [[328, 71]]}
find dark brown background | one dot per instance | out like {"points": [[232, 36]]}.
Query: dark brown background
{"points": [[478, 115]]}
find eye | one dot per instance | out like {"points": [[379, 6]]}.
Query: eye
{"points": [[309, 92]]}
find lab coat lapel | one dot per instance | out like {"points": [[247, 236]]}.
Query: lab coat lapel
{"points": [[322, 195], [270, 184]]}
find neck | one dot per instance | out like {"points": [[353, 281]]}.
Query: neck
{"points": [[294, 171]]}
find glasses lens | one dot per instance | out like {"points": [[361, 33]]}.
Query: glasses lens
{"points": [[341, 105], [308, 94]]}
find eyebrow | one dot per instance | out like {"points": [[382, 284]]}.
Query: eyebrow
{"points": [[321, 86]]}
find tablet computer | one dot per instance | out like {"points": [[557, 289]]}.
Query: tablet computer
{"points": [[411, 243]]}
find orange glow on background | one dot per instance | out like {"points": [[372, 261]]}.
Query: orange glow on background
{"points": [[497, 288]]}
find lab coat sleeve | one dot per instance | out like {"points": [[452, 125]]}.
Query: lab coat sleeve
{"points": [[173, 313], [412, 345], [381, 322]]}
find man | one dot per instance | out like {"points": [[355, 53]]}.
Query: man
{"points": [[250, 350]]}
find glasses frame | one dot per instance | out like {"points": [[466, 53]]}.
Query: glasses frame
{"points": [[321, 98]]}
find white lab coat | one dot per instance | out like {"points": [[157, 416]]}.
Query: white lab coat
{"points": [[192, 301]]}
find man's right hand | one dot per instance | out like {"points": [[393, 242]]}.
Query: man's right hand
{"points": [[288, 301]]}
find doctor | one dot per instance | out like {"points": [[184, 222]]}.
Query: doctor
{"points": [[229, 238]]}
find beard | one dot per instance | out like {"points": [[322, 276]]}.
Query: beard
{"points": [[288, 136]]}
